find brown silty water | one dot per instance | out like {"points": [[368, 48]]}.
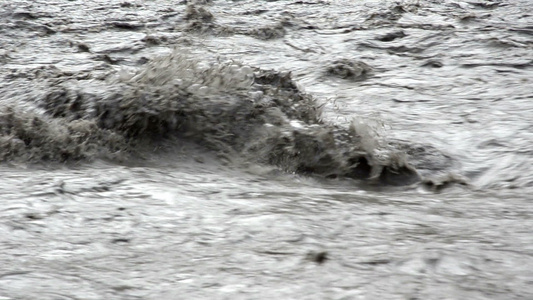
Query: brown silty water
{"points": [[258, 150]]}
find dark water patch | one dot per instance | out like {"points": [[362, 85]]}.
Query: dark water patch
{"points": [[199, 19], [486, 4], [396, 49], [194, 13], [507, 43], [198, 2], [517, 65], [425, 26], [318, 257], [37, 29], [255, 12], [433, 63], [107, 59], [126, 25], [388, 16], [24, 15], [409, 100], [36, 138], [82, 47], [389, 37], [438, 184], [526, 30], [399, 175], [127, 4], [153, 40], [349, 69], [361, 170], [426, 159], [309, 3], [265, 33]]}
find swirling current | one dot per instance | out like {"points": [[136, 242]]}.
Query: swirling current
{"points": [[266, 149]]}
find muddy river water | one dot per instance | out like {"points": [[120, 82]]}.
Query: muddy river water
{"points": [[266, 149]]}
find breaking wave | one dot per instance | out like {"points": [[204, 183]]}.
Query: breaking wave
{"points": [[224, 106]]}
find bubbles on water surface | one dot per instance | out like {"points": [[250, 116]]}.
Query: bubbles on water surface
{"points": [[221, 233]]}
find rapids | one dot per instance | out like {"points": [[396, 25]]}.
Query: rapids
{"points": [[266, 149]]}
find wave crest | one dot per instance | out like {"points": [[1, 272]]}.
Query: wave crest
{"points": [[228, 107]]}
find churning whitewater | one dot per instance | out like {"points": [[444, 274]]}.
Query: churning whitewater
{"points": [[281, 149], [234, 109]]}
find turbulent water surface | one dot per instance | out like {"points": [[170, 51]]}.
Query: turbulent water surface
{"points": [[266, 149]]}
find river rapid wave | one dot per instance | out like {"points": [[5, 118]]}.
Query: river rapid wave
{"points": [[233, 109], [266, 149]]}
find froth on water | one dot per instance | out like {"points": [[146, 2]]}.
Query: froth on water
{"points": [[225, 106]]}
